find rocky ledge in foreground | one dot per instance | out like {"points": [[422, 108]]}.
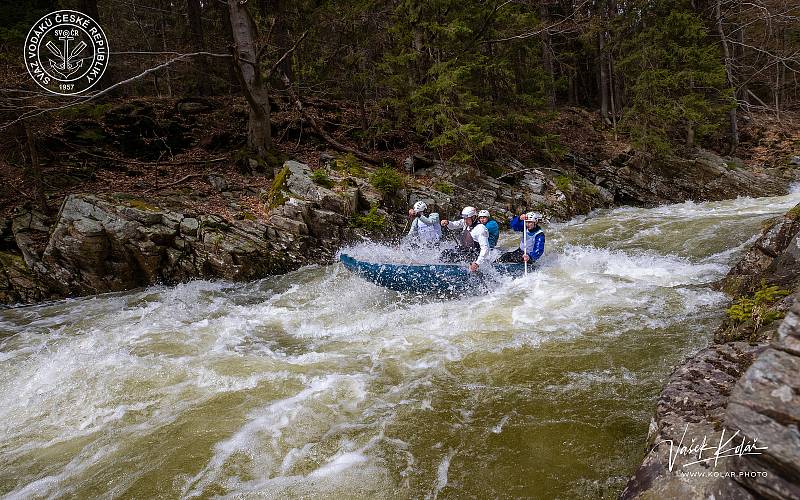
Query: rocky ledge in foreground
{"points": [[735, 393], [713, 398], [111, 243]]}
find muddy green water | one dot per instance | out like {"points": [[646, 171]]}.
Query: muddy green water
{"points": [[318, 384]]}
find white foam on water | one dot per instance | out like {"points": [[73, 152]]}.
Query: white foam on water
{"points": [[51, 486], [262, 435], [441, 474], [497, 429]]}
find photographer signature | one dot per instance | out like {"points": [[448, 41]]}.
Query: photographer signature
{"points": [[706, 454]]}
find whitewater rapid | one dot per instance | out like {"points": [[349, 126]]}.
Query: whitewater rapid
{"points": [[318, 383]]}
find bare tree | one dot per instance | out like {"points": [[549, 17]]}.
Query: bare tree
{"points": [[255, 86]]}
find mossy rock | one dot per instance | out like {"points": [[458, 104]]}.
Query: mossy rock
{"points": [[563, 183], [143, 205], [275, 158], [371, 221], [320, 177], [85, 132], [85, 111], [387, 180], [275, 196], [12, 260], [794, 213], [134, 202], [350, 165], [444, 187]]}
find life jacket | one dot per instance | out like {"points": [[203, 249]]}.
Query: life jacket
{"points": [[429, 232], [531, 240], [466, 240]]}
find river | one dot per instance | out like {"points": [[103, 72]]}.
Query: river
{"points": [[319, 384]]}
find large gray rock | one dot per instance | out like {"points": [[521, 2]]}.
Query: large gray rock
{"points": [[299, 183], [31, 230], [750, 393], [774, 257], [693, 402], [18, 284], [765, 407], [642, 181], [101, 244]]}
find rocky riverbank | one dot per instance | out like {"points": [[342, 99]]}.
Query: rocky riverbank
{"points": [[745, 386], [116, 241]]}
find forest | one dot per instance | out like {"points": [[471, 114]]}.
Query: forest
{"points": [[467, 81]]}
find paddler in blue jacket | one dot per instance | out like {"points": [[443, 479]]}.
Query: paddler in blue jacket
{"points": [[491, 225], [535, 239]]}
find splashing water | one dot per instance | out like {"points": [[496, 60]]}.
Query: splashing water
{"points": [[321, 384], [414, 253]]}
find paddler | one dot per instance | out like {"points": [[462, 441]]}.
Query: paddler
{"points": [[424, 225], [531, 245], [473, 240], [485, 218]]}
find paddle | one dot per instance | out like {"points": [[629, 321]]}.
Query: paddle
{"points": [[525, 244]]}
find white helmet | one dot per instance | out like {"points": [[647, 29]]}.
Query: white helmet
{"points": [[484, 213], [533, 217], [468, 212], [420, 207]]}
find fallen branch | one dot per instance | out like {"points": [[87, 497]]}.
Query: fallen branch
{"points": [[330, 140], [757, 99], [182, 179], [146, 163]]}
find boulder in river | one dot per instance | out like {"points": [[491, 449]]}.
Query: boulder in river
{"points": [[774, 257]]}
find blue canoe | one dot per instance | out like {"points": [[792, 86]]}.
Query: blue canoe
{"points": [[438, 279]]}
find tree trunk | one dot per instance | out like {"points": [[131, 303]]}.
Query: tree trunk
{"points": [[276, 9], [254, 88], [612, 96], [36, 169], [733, 131], [194, 13], [603, 77], [164, 45], [89, 7], [547, 58], [233, 78], [572, 93]]}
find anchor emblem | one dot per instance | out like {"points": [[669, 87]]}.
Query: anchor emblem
{"points": [[66, 66]]}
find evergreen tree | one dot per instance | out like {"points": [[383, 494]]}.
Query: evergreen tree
{"points": [[675, 76]]}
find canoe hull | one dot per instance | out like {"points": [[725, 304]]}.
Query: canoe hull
{"points": [[438, 279]]}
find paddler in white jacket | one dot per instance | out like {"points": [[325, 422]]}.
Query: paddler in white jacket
{"points": [[424, 228], [473, 241]]}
